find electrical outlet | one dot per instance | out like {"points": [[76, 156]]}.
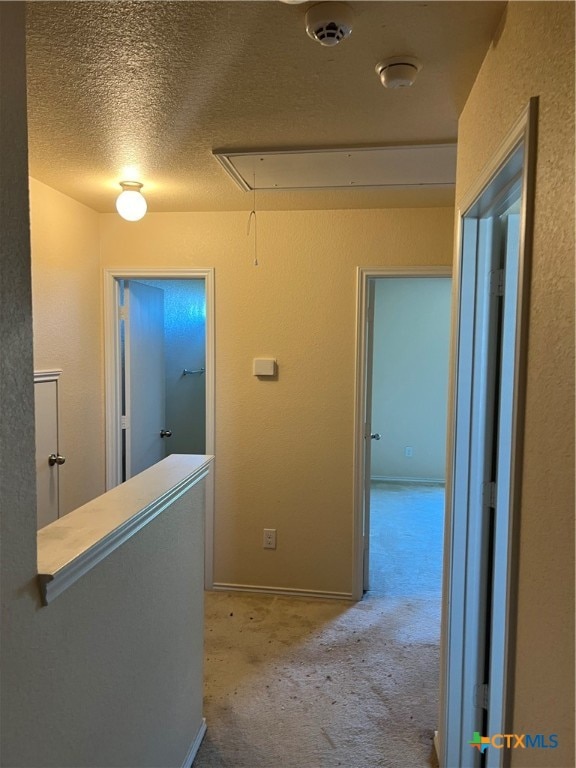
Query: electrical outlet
{"points": [[408, 452], [269, 538]]}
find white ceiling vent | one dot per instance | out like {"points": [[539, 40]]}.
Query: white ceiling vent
{"points": [[329, 23]]}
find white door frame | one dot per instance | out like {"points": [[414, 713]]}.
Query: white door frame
{"points": [[112, 367], [463, 594], [363, 276]]}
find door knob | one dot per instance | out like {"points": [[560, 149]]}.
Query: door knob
{"points": [[165, 433], [56, 459], [376, 436]]}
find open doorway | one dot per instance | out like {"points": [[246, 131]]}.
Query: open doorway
{"points": [[178, 292], [409, 389], [158, 324], [365, 436], [402, 363], [163, 367]]}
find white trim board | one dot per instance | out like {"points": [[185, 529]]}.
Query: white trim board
{"points": [[42, 376], [415, 480], [195, 746], [224, 587]]}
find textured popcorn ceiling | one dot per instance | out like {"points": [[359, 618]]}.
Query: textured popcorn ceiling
{"points": [[146, 90]]}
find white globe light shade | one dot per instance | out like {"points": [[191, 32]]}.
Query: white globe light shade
{"points": [[131, 203]]}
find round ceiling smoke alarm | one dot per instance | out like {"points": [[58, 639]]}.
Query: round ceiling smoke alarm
{"points": [[329, 23], [398, 72]]}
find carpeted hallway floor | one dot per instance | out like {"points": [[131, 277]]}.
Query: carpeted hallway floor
{"points": [[298, 683]]}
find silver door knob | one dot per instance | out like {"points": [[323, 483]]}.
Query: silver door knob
{"points": [[376, 436], [55, 458], [165, 433]]}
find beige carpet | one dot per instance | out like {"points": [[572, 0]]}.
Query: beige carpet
{"points": [[297, 683]]}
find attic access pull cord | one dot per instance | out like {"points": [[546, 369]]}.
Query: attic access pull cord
{"points": [[253, 214]]}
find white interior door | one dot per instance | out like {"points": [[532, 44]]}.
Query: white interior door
{"points": [[368, 428], [144, 376], [48, 459]]}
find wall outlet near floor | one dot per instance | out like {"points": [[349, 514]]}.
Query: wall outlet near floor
{"points": [[269, 538], [408, 452]]}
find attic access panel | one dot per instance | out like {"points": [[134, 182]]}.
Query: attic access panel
{"points": [[405, 166]]}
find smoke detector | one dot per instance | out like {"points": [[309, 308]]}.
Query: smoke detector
{"points": [[329, 23], [398, 72]]}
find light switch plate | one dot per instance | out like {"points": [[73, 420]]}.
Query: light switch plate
{"points": [[264, 366]]}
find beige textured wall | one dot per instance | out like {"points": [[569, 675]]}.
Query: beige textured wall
{"points": [[283, 448], [410, 380], [67, 301], [72, 692], [17, 465], [534, 56]]}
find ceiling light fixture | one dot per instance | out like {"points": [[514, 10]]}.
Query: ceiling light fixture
{"points": [[131, 203], [398, 72]]}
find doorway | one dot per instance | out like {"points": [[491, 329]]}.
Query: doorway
{"points": [[421, 620], [409, 389], [159, 329], [365, 435], [162, 343]]}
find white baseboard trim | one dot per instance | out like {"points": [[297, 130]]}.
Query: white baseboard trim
{"points": [[422, 480], [224, 587], [195, 745]]}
